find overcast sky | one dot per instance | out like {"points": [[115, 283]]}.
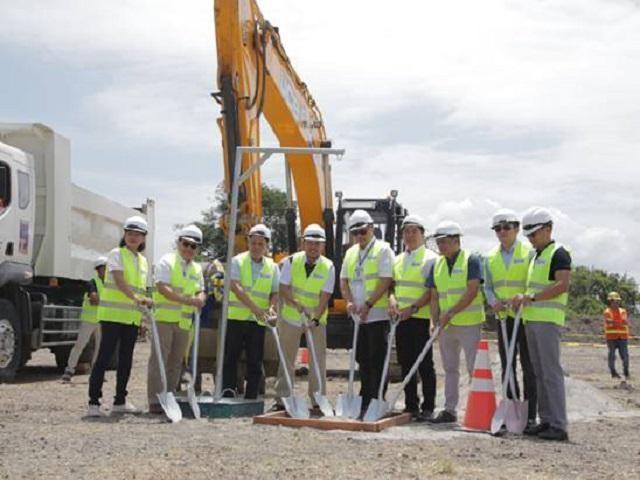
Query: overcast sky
{"points": [[462, 106]]}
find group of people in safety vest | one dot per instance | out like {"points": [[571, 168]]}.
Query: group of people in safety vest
{"points": [[418, 288]]}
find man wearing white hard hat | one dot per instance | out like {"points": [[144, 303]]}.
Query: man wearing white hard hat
{"points": [[307, 279], [365, 279], [253, 301], [505, 275], [179, 293], [410, 302], [120, 315], [545, 303], [89, 326], [457, 305]]}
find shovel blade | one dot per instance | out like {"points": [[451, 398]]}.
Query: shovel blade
{"points": [[193, 401], [323, 403], [348, 406], [376, 410], [499, 416], [296, 406], [170, 406], [516, 420]]}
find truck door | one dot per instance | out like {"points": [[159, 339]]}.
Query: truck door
{"points": [[8, 237]]}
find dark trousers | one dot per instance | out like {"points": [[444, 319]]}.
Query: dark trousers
{"points": [[623, 350], [113, 334], [247, 336], [370, 354], [528, 374], [411, 337]]}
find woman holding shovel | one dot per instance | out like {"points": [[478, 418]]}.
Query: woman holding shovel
{"points": [[179, 292], [119, 314]]}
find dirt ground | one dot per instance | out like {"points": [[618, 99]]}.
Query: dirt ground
{"points": [[43, 435]]}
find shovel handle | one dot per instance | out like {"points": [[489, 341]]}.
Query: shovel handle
{"points": [[387, 358], [314, 358], [283, 360], [352, 357], [158, 349], [196, 347], [510, 347]]}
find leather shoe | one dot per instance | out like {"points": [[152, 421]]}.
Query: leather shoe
{"points": [[534, 429], [444, 417], [553, 433]]}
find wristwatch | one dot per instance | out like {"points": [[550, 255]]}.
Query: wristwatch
{"points": [[532, 297], [414, 308]]}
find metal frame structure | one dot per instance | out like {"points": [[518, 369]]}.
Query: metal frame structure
{"points": [[238, 178]]}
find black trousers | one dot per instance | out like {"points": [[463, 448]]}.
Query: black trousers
{"points": [[113, 334], [247, 336], [528, 374], [370, 353], [411, 337]]}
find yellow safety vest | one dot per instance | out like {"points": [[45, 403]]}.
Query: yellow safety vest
{"points": [[115, 306], [511, 281], [551, 311], [306, 289], [452, 286], [370, 271], [90, 312], [409, 281], [259, 290], [183, 284]]}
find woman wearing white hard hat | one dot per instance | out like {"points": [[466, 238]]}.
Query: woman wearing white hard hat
{"points": [[89, 326], [119, 314], [179, 293]]}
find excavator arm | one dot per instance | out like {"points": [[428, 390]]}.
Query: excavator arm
{"points": [[255, 78]]}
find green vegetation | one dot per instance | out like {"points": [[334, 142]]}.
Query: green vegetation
{"points": [[590, 287]]}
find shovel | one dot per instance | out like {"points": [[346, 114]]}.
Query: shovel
{"points": [[296, 406], [321, 400], [191, 390], [378, 407], [167, 399], [349, 405]]}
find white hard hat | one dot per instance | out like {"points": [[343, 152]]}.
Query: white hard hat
{"points": [[504, 215], [413, 220], [260, 230], [101, 261], [135, 224], [534, 219], [359, 219], [192, 233], [315, 233], [447, 228]]}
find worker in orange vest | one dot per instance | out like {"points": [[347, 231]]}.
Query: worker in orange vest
{"points": [[616, 330]]}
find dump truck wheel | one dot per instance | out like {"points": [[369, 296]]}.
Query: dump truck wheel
{"points": [[10, 342]]}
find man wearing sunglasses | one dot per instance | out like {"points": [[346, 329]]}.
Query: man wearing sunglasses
{"points": [[365, 279], [457, 303], [545, 302], [179, 293], [505, 275]]}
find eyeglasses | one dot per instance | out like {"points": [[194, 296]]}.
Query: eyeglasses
{"points": [[361, 231], [191, 245], [505, 226]]}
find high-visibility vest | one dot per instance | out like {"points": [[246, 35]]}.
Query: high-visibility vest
{"points": [[90, 312], [511, 281], [114, 305], [370, 272], [183, 284], [616, 327], [553, 310], [259, 290], [306, 289], [452, 286], [409, 280]]}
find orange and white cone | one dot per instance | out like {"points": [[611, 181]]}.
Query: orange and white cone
{"points": [[481, 403], [303, 356]]}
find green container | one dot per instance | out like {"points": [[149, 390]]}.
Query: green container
{"points": [[223, 408]]}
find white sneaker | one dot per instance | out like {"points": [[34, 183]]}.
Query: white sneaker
{"points": [[94, 411], [126, 407]]}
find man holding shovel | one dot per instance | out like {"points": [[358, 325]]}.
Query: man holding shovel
{"points": [[365, 279], [410, 302], [179, 292], [307, 279], [506, 269], [457, 304], [545, 303]]}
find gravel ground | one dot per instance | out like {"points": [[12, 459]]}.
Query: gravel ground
{"points": [[43, 434]]}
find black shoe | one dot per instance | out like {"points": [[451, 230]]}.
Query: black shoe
{"points": [[534, 429], [425, 416], [553, 433], [444, 417], [615, 375], [277, 407], [415, 412]]}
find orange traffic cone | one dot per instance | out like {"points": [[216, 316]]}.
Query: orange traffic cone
{"points": [[303, 356], [481, 403]]}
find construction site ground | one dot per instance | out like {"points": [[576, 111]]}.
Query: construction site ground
{"points": [[44, 434]]}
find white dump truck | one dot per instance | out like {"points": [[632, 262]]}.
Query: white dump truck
{"points": [[51, 231]]}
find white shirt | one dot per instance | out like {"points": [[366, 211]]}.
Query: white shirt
{"points": [[165, 265], [285, 275], [356, 286]]}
